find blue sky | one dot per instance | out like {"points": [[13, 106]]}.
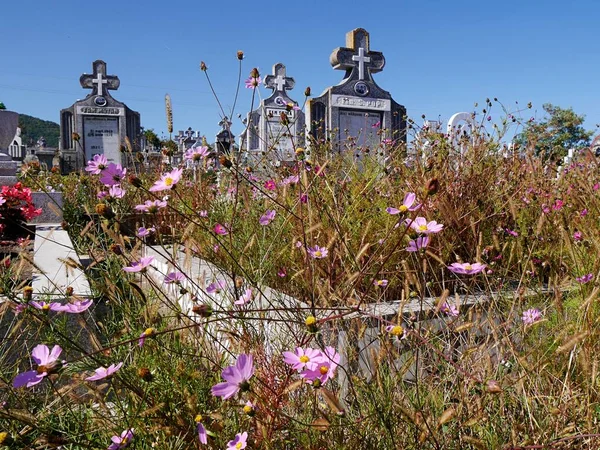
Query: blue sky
{"points": [[441, 56]]}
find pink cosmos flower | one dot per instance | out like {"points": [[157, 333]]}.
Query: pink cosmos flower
{"points": [[151, 206], [408, 204], [380, 283], [174, 277], [450, 309], [267, 217], [97, 164], [77, 307], [317, 252], [143, 232], [303, 358], [44, 306], [216, 287], [558, 204], [585, 278], [236, 378], [304, 197], [583, 212], [292, 179], [244, 298], [220, 230], [202, 434], [47, 363], [325, 370], [252, 82], [138, 266], [167, 180], [239, 442], [282, 272], [116, 191], [196, 153], [122, 441], [466, 268], [577, 236], [531, 316], [511, 232], [113, 174], [203, 213], [102, 372], [415, 245], [270, 185], [420, 225]]}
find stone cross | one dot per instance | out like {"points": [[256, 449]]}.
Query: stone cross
{"points": [[99, 81], [357, 59], [278, 81], [225, 123]]}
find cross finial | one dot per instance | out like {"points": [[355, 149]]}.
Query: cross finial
{"points": [[278, 81], [99, 81], [356, 58], [225, 123]]}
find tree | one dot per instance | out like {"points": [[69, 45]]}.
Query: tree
{"points": [[2, 106], [152, 139], [553, 136]]}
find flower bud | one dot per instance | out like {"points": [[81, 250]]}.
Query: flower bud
{"points": [[202, 310], [225, 161], [433, 186], [75, 137], [203, 66], [311, 324], [104, 210], [69, 291], [27, 293], [284, 119], [145, 374], [254, 73], [307, 92], [116, 249], [240, 55], [135, 181]]}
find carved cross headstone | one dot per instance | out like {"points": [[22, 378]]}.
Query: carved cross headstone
{"points": [[99, 81], [278, 81], [357, 59]]}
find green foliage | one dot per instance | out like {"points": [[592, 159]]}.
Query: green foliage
{"points": [[33, 128], [152, 138], [2, 106], [552, 137]]}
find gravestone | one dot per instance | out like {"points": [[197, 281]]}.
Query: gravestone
{"points": [[276, 128], [356, 113], [462, 130], [98, 124], [16, 149], [9, 121]]}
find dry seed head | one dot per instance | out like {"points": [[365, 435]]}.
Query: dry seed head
{"points": [[169, 111], [240, 55]]}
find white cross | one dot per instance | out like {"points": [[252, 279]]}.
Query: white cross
{"points": [[279, 82], [361, 59], [100, 81]]}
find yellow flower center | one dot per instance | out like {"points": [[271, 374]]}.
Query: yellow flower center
{"points": [[169, 181], [46, 307], [3, 436], [323, 370], [304, 359], [124, 441], [403, 208], [248, 409], [238, 445], [318, 253], [310, 320], [149, 332], [422, 227], [397, 330], [468, 267], [198, 418]]}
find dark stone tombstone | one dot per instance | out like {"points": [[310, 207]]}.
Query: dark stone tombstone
{"points": [[356, 114], [98, 124], [276, 128], [9, 121]]}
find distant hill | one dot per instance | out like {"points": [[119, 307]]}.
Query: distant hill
{"points": [[33, 128]]}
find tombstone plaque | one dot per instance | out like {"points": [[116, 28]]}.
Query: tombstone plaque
{"points": [[276, 128], [356, 113]]}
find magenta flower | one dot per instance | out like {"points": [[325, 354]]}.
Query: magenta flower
{"points": [[147, 333], [585, 278], [44, 306], [282, 272], [252, 82], [239, 442], [77, 307], [270, 185], [304, 197], [236, 378], [138, 266], [113, 174], [122, 441], [47, 363], [317, 252], [167, 180], [418, 244], [292, 179], [244, 298], [531, 316], [303, 358], [216, 287], [220, 230], [97, 164], [174, 277], [267, 217], [450, 309], [102, 372], [116, 191], [151, 206], [408, 204], [325, 370], [143, 232], [196, 153], [420, 225], [577, 236], [380, 283], [466, 268], [202, 434]]}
